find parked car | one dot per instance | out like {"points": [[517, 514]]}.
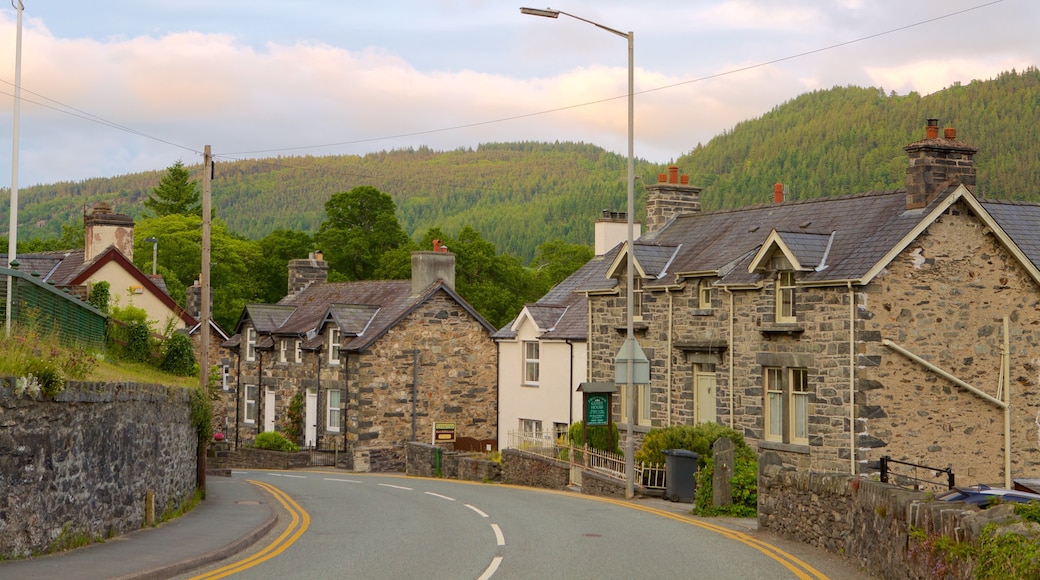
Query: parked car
{"points": [[982, 495]]}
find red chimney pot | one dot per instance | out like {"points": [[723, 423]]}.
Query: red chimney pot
{"points": [[950, 133], [673, 174], [932, 130], [684, 179], [662, 177], [778, 193]]}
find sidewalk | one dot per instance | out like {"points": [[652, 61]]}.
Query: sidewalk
{"points": [[234, 515]]}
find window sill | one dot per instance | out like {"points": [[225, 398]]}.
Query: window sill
{"points": [[788, 447], [531, 385], [636, 428], [783, 328], [701, 312]]}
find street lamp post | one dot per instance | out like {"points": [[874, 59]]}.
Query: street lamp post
{"points": [[630, 346], [12, 237], [155, 253]]}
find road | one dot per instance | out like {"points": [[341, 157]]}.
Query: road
{"points": [[345, 525]]}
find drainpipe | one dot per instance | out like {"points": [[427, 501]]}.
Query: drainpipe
{"points": [[668, 372], [260, 394], [1006, 370], [238, 394], [415, 391], [570, 386], [852, 379], [319, 424], [732, 315]]}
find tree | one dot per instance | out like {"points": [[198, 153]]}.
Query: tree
{"points": [[176, 193], [360, 226], [555, 260], [272, 272]]}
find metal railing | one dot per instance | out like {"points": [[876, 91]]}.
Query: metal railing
{"points": [[648, 475], [904, 480]]}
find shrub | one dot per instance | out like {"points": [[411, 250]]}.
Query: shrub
{"points": [[294, 418], [49, 375], [598, 437], [744, 484], [696, 438], [275, 441], [100, 294], [138, 342], [178, 355], [202, 414]]}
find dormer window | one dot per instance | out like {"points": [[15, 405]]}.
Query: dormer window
{"points": [[333, 342], [250, 344], [704, 295], [785, 297]]}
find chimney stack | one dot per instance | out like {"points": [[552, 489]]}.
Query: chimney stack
{"points": [[430, 267], [778, 193], [936, 164], [669, 197], [611, 230], [105, 228], [307, 271]]}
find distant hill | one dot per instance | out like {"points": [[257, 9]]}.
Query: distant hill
{"points": [[518, 195]]}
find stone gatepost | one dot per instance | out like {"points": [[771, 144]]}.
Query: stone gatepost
{"points": [[722, 489]]}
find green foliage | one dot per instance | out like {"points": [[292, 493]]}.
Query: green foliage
{"points": [[176, 193], [139, 346], [99, 295], [360, 226], [202, 414], [50, 376], [178, 355], [696, 438], [1029, 511], [744, 485], [554, 261], [276, 249], [294, 418], [275, 441], [1005, 555], [598, 437]]}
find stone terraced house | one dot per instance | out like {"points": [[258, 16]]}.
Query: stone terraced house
{"points": [[838, 330], [377, 362]]}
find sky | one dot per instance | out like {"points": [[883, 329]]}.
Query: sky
{"points": [[123, 86]]}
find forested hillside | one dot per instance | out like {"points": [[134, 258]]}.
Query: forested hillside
{"points": [[518, 195], [851, 139]]}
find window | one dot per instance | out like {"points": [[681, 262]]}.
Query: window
{"points": [[298, 352], [225, 373], [787, 405], [333, 345], [785, 297], [250, 343], [531, 428], [560, 430], [704, 295], [637, 298], [531, 363], [250, 404], [332, 419], [642, 404], [283, 348]]}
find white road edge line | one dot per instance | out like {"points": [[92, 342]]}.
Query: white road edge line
{"points": [[491, 569], [482, 514], [439, 495], [287, 475], [396, 486], [343, 480], [498, 535]]}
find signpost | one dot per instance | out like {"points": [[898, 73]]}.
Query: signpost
{"points": [[443, 432]]}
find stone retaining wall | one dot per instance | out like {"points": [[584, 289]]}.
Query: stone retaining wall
{"points": [[423, 461], [252, 458], [519, 468], [867, 521], [83, 462]]}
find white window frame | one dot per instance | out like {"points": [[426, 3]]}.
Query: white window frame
{"points": [[298, 350], [561, 430], [785, 296], [785, 410], [250, 344], [334, 410], [637, 299], [249, 407], [283, 348], [531, 428], [334, 335], [532, 362]]}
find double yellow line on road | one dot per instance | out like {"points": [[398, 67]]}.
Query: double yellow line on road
{"points": [[299, 523]]}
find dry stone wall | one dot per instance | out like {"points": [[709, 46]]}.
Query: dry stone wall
{"points": [[83, 462]]}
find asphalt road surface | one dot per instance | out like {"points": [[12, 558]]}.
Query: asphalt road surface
{"points": [[345, 525]]}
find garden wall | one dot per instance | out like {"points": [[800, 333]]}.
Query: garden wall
{"points": [[867, 521], [423, 461], [83, 462]]}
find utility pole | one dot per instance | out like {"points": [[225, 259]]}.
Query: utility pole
{"points": [[207, 177], [12, 233]]}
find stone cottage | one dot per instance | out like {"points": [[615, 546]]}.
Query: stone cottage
{"points": [[840, 329], [377, 363]]}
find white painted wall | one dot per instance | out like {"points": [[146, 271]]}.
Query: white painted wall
{"points": [[120, 282], [551, 401]]}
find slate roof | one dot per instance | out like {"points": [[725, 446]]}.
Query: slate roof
{"points": [[363, 311], [1021, 221], [562, 312], [865, 228]]}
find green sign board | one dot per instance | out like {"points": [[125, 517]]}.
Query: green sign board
{"points": [[597, 408]]}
